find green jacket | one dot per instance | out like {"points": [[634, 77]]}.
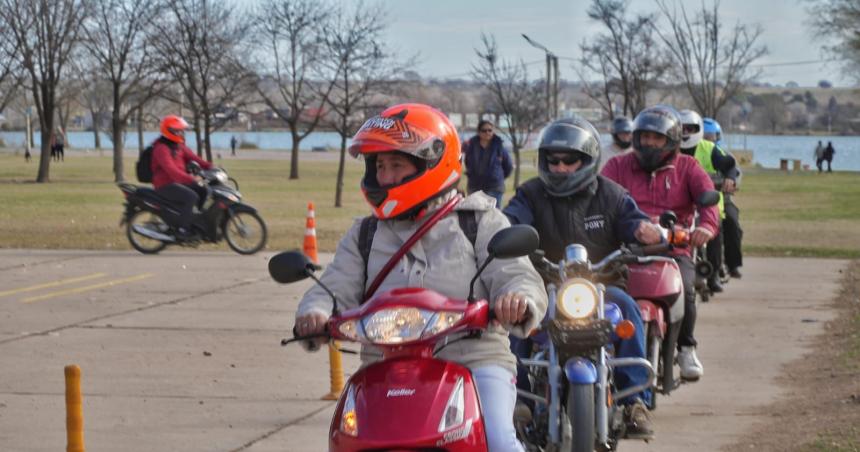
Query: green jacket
{"points": [[704, 155]]}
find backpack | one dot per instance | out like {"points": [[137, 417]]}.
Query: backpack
{"points": [[468, 223], [144, 165]]}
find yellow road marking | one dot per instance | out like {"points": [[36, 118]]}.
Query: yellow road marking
{"points": [[86, 288], [52, 284]]}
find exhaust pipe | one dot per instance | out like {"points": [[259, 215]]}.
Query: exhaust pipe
{"points": [[152, 234]]}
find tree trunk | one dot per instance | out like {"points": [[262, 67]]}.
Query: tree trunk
{"points": [[207, 130], [294, 155], [140, 145], [340, 170]]}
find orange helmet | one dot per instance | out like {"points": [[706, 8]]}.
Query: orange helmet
{"points": [[428, 137], [173, 128]]}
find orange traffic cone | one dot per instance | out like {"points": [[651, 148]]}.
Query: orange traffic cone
{"points": [[310, 245]]}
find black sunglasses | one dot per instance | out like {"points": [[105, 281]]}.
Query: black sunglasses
{"points": [[486, 130], [568, 159]]}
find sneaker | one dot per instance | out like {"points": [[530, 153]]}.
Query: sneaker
{"points": [[691, 367], [185, 235], [638, 421], [735, 273]]}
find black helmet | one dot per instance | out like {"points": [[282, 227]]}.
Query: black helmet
{"points": [[621, 124], [661, 119], [569, 135]]}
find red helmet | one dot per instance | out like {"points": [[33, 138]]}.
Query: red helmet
{"points": [[428, 137], [173, 128]]}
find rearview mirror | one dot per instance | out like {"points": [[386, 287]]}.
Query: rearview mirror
{"points": [[709, 198], [515, 241], [291, 266], [668, 219]]}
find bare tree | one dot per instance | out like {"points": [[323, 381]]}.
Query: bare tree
{"points": [[835, 23], [713, 66], [10, 69], [770, 111], [625, 57], [201, 44], [45, 33], [95, 98], [291, 32], [359, 66], [519, 100], [121, 56]]}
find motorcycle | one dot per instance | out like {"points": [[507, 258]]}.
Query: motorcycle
{"points": [[656, 284], [224, 216], [573, 388], [410, 400]]}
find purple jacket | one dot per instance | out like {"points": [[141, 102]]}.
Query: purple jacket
{"points": [[673, 187]]}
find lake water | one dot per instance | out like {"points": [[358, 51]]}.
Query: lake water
{"points": [[767, 149]]}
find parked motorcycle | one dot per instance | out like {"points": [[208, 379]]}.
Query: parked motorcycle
{"points": [[410, 400], [572, 387], [224, 216]]}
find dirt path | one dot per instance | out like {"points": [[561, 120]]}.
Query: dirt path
{"points": [[746, 336]]}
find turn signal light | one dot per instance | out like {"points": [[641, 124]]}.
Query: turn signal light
{"points": [[625, 329]]}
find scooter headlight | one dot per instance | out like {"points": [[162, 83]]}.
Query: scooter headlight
{"points": [[396, 325], [577, 299]]}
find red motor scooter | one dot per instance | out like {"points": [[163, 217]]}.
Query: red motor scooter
{"points": [[410, 400]]}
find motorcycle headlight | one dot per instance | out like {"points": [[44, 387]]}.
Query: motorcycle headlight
{"points": [[396, 325], [577, 299]]}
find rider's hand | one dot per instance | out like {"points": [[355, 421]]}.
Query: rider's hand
{"points": [[729, 186], [198, 179], [700, 236], [648, 233], [510, 308], [311, 323]]}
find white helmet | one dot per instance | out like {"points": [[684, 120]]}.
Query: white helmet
{"points": [[692, 129]]}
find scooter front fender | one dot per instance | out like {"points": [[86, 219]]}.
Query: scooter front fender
{"points": [[399, 404], [579, 370]]}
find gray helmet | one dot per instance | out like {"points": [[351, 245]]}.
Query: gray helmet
{"points": [[569, 135], [621, 124], [661, 119]]}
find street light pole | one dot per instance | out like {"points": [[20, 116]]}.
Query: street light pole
{"points": [[551, 79]]}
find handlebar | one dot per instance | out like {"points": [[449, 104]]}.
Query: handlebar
{"points": [[605, 268]]}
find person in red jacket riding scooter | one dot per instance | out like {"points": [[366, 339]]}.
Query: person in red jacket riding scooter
{"points": [[171, 180], [660, 178]]}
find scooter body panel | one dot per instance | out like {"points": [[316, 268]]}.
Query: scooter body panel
{"points": [[400, 403]]}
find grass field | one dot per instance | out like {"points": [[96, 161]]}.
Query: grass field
{"points": [[806, 214]]}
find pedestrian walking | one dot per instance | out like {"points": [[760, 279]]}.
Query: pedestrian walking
{"points": [[27, 155], [819, 155], [233, 143], [488, 163], [828, 155]]}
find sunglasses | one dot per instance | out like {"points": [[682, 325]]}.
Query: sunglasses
{"points": [[569, 159], [486, 131]]}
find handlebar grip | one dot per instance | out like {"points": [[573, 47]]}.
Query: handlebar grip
{"points": [[659, 248]]}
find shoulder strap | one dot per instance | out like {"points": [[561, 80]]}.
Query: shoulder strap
{"points": [[469, 225], [365, 239]]}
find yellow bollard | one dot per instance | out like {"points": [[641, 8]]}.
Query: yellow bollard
{"points": [[74, 410], [335, 371]]}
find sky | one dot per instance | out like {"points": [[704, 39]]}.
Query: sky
{"points": [[445, 34]]}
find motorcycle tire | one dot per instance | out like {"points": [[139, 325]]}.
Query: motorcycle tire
{"points": [[653, 347], [140, 242], [580, 412], [245, 232]]}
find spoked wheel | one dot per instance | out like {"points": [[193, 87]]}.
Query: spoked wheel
{"points": [[245, 232], [140, 222]]}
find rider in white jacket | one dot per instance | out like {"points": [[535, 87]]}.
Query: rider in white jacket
{"points": [[413, 163]]}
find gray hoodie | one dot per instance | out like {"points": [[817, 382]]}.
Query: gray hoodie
{"points": [[442, 260]]}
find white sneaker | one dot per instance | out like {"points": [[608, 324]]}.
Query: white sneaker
{"points": [[691, 367]]}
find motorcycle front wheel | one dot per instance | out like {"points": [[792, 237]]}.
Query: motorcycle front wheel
{"points": [[245, 232], [580, 412], [143, 220]]}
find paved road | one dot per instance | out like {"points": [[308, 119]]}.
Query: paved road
{"points": [[180, 352]]}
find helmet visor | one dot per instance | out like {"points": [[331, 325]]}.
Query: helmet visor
{"points": [[381, 134]]}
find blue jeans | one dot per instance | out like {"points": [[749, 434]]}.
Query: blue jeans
{"points": [[497, 195], [498, 396], [634, 347]]}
